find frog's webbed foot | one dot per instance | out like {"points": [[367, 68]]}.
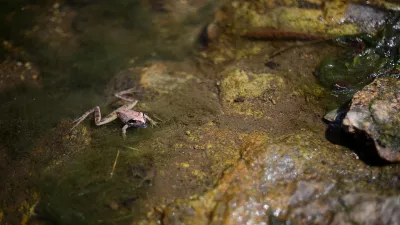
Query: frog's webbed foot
{"points": [[152, 122], [78, 120]]}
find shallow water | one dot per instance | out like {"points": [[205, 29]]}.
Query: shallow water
{"points": [[105, 37], [73, 80]]}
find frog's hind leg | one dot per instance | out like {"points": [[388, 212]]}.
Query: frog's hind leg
{"points": [[97, 117], [130, 105], [122, 95]]}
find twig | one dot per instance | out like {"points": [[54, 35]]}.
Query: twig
{"points": [[280, 51], [132, 148], [115, 164]]}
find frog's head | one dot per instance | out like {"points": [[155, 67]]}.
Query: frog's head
{"points": [[136, 123], [133, 118]]}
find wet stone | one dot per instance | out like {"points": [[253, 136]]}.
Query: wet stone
{"points": [[306, 191], [369, 209], [317, 212], [278, 181], [375, 111]]}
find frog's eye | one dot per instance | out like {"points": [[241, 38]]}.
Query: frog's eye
{"points": [[132, 121]]}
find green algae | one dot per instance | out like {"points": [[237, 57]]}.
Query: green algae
{"points": [[352, 73], [369, 57]]}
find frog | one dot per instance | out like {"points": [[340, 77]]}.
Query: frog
{"points": [[129, 117]]}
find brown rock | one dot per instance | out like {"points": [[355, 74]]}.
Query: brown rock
{"points": [[375, 111]]}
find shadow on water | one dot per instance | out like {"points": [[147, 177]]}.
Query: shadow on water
{"points": [[360, 144]]}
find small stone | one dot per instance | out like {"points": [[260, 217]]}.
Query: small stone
{"points": [[272, 65], [113, 205], [239, 99], [184, 165]]}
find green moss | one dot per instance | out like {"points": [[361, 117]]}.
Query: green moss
{"points": [[313, 90], [369, 56]]}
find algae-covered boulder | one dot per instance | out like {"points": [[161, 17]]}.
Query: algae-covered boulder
{"points": [[375, 110], [158, 77], [291, 179], [311, 17]]}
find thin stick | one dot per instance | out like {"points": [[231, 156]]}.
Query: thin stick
{"points": [[115, 164], [272, 33], [157, 118], [132, 148], [280, 51]]}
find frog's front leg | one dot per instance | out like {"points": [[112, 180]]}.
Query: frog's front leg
{"points": [[126, 126], [97, 117], [152, 122]]}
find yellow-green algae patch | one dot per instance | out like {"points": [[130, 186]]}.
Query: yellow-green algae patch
{"points": [[230, 49], [327, 18], [238, 83], [218, 145]]}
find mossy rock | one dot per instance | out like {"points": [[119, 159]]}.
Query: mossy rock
{"points": [[375, 111]]}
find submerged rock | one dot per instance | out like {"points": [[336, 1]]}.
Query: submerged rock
{"points": [[375, 111], [159, 78]]}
